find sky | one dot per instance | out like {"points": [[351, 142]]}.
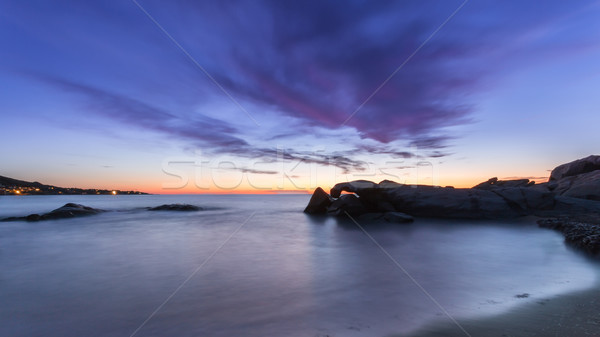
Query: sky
{"points": [[279, 96]]}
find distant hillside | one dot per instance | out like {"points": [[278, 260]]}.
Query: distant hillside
{"points": [[9, 186]]}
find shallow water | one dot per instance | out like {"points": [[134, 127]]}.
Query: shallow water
{"points": [[282, 273]]}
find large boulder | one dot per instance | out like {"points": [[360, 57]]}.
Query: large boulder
{"points": [[580, 166], [319, 202], [577, 179], [583, 186]]}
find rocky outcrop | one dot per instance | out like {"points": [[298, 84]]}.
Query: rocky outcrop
{"points": [[176, 207], [574, 168], [69, 210], [577, 179], [573, 188], [583, 235], [319, 202], [582, 186]]}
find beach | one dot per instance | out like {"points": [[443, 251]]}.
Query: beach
{"points": [[575, 314]]}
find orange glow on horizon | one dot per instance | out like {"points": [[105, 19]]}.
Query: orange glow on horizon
{"points": [[302, 184]]}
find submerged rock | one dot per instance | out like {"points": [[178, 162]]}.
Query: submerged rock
{"points": [[176, 207]]}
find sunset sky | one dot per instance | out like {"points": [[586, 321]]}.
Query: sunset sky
{"points": [[255, 96]]}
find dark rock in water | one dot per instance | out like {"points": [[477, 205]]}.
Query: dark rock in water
{"points": [[33, 217], [398, 217], [349, 203], [319, 202], [69, 210], [176, 207]]}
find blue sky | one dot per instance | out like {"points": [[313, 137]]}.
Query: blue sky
{"points": [[293, 95]]}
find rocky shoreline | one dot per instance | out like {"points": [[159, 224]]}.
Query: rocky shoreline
{"points": [[572, 192]]}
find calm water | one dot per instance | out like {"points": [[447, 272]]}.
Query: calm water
{"points": [[283, 274]]}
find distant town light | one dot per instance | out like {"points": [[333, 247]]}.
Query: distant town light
{"points": [[114, 192], [18, 192]]}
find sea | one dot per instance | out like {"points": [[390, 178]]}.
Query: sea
{"points": [[256, 265]]}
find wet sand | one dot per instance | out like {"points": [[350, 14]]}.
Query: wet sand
{"points": [[576, 314]]}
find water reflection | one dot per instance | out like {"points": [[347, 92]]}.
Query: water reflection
{"points": [[283, 273]]}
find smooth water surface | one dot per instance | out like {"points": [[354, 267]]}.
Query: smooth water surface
{"points": [[283, 273]]}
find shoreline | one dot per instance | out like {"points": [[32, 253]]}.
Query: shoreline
{"points": [[572, 314]]}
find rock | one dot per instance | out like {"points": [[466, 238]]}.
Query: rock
{"points": [[349, 203], [574, 188], [398, 217], [319, 202], [69, 210], [567, 206], [585, 236], [431, 201], [580, 166], [176, 207], [33, 217], [583, 186], [357, 186], [494, 183]]}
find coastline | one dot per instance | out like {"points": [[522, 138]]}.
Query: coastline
{"points": [[571, 314]]}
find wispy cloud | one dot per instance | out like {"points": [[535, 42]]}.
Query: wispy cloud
{"points": [[300, 68]]}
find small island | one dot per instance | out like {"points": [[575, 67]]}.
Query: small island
{"points": [[10, 186]]}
